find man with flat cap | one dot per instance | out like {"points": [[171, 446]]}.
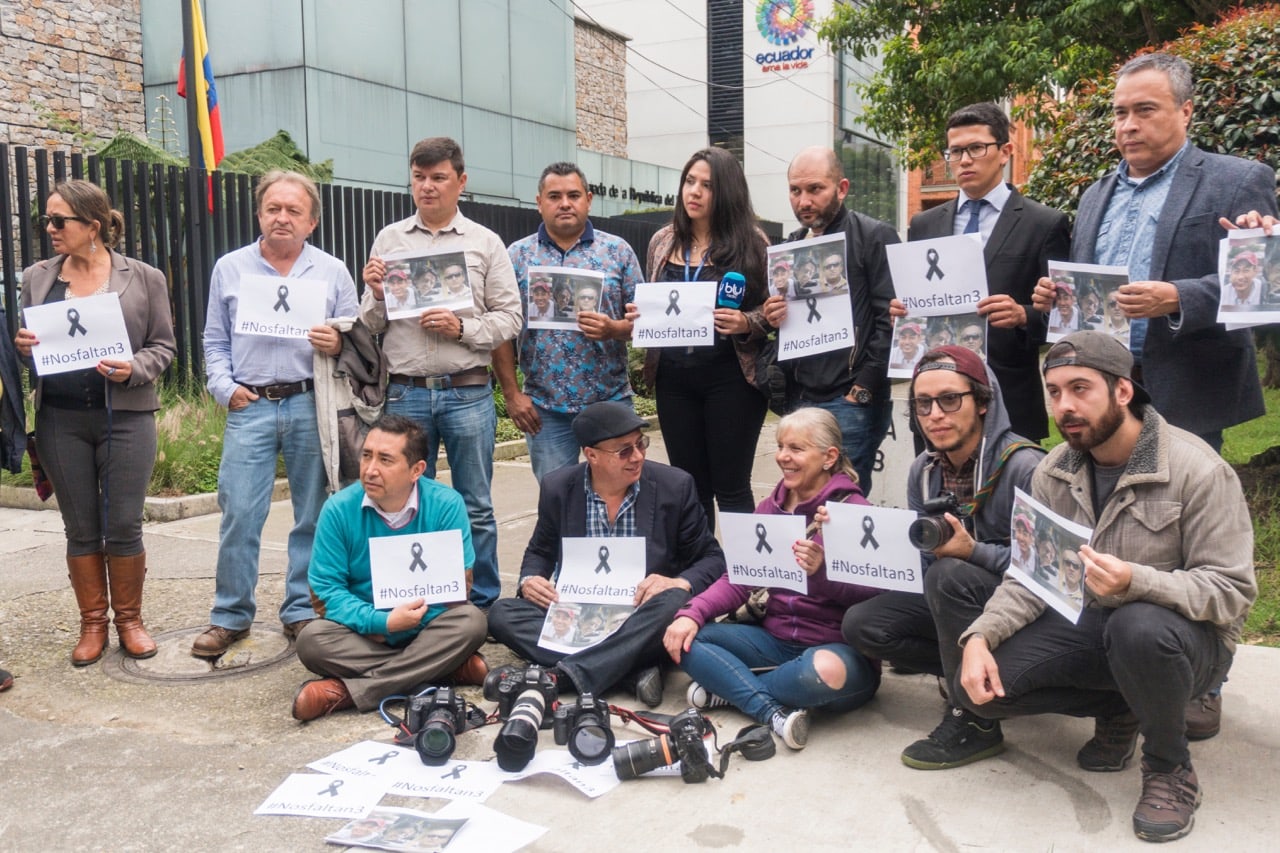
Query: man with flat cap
{"points": [[615, 492]]}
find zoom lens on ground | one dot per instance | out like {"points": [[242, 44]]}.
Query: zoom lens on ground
{"points": [[435, 743], [518, 738], [638, 757], [591, 742]]}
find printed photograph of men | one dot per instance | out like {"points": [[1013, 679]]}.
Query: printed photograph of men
{"points": [[556, 296], [414, 283], [1242, 289], [572, 626], [1057, 576], [908, 346]]}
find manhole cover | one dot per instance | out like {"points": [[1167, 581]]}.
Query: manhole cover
{"points": [[173, 663]]}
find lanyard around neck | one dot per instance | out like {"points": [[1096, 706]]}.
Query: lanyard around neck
{"points": [[697, 274]]}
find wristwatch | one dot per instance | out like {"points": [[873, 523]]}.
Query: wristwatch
{"points": [[861, 396]]}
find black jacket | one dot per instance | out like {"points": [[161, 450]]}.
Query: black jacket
{"points": [[13, 417]]}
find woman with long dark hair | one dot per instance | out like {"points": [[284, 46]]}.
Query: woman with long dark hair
{"points": [[708, 407], [96, 428]]}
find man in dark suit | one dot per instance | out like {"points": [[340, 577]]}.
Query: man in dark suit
{"points": [[614, 493], [1019, 238], [1158, 213]]}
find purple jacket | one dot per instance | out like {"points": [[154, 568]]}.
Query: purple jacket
{"points": [[812, 619]]}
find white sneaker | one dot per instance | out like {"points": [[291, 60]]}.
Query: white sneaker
{"points": [[792, 727], [701, 698]]}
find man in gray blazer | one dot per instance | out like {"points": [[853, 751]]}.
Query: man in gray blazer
{"points": [[1019, 238], [1157, 214]]}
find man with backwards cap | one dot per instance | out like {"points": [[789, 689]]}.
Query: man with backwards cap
{"points": [[973, 454], [615, 492], [1169, 580]]}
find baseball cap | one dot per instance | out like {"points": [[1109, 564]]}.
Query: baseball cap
{"points": [[1251, 258], [605, 420], [1098, 351], [963, 361]]}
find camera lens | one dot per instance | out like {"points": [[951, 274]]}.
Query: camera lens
{"points": [[435, 743], [518, 738], [633, 759], [591, 741], [926, 534]]}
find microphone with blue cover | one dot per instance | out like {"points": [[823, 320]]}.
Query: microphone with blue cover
{"points": [[731, 290]]}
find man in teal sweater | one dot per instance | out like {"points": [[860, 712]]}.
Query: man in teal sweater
{"points": [[365, 654]]}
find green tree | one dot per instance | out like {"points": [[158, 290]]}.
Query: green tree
{"points": [[940, 55]]}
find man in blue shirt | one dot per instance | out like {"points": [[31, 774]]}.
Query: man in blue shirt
{"points": [[565, 371], [267, 385]]}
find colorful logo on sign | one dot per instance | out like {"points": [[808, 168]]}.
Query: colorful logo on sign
{"points": [[784, 22]]}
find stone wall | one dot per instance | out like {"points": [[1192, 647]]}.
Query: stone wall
{"points": [[80, 59], [600, 70]]}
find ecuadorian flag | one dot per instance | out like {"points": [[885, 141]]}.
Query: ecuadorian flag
{"points": [[210, 150]]}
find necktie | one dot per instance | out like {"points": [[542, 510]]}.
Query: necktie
{"points": [[975, 212]]}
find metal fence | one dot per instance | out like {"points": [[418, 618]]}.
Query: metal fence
{"points": [[168, 224]]}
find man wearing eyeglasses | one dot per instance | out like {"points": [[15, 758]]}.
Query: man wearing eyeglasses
{"points": [[975, 455], [616, 492], [1019, 238]]}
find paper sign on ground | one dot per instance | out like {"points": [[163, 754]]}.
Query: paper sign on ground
{"points": [[592, 780], [1084, 298], [388, 828], [416, 281], [1057, 577], [945, 275], [811, 274], [417, 565], [868, 545], [675, 314], [315, 795], [275, 307], [454, 780], [487, 830], [557, 294], [757, 549], [368, 759], [76, 334], [1249, 276]]}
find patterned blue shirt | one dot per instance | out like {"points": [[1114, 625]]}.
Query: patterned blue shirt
{"points": [[1128, 230], [565, 371], [598, 511]]}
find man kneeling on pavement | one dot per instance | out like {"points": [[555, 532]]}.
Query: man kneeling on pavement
{"points": [[365, 654], [1169, 580], [614, 493]]}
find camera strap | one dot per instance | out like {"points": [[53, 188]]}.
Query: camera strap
{"points": [[980, 496], [754, 743]]}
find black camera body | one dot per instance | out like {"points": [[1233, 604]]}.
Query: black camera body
{"points": [[584, 726], [435, 720], [683, 743], [931, 530], [505, 685], [524, 695]]}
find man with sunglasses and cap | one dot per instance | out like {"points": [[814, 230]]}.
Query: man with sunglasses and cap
{"points": [[973, 454], [1168, 581], [615, 492]]}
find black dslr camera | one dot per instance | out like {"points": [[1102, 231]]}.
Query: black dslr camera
{"points": [[523, 695], [931, 530], [584, 726], [435, 719], [682, 743]]}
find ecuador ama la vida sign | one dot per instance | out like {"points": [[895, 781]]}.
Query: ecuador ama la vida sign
{"points": [[782, 24]]}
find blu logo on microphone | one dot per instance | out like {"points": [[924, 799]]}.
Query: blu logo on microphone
{"points": [[731, 290]]}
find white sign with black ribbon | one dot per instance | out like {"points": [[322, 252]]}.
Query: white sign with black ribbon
{"points": [[811, 275], [316, 795], [454, 780], [945, 275], [275, 307], [417, 565], [675, 314], [76, 334], [868, 545], [757, 550]]}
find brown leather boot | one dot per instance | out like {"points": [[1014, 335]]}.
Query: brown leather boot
{"points": [[88, 574], [125, 575]]}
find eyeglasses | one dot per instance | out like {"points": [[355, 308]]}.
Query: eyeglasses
{"points": [[454, 275], [59, 221], [975, 150], [834, 265], [1073, 564], [627, 450], [948, 403], [971, 337]]}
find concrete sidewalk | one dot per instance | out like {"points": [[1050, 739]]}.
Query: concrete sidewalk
{"points": [[159, 756]]}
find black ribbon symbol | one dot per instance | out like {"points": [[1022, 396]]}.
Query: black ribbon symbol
{"points": [[762, 544], [604, 560], [416, 550], [382, 759], [282, 302], [73, 317], [932, 257], [868, 533], [812, 302], [673, 302], [576, 765], [455, 773], [332, 790]]}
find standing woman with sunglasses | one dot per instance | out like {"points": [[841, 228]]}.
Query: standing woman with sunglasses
{"points": [[708, 407], [96, 428]]}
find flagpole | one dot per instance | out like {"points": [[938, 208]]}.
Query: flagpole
{"points": [[189, 52]]}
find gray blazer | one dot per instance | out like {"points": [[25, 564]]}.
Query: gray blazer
{"points": [[1201, 377], [144, 301]]}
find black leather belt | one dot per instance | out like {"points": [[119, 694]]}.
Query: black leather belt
{"points": [[461, 379], [285, 389]]}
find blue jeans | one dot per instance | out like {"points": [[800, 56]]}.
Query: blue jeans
{"points": [[554, 446], [723, 656], [863, 427], [465, 420], [253, 438]]}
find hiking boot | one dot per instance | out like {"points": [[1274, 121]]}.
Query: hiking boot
{"points": [[1167, 809], [1112, 745], [792, 727], [961, 738], [702, 699], [1204, 716]]}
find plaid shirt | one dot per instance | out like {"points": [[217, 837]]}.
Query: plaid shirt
{"points": [[958, 481], [598, 512]]}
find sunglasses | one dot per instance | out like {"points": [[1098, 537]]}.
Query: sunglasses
{"points": [[1072, 564], [627, 450], [948, 403], [971, 337], [58, 221]]}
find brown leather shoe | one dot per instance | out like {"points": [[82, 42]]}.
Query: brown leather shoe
{"points": [[471, 673], [88, 575], [1167, 809], [125, 575], [320, 697], [215, 641], [1204, 717], [293, 629]]}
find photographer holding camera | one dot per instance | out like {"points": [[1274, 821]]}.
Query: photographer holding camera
{"points": [[963, 486], [366, 654]]}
